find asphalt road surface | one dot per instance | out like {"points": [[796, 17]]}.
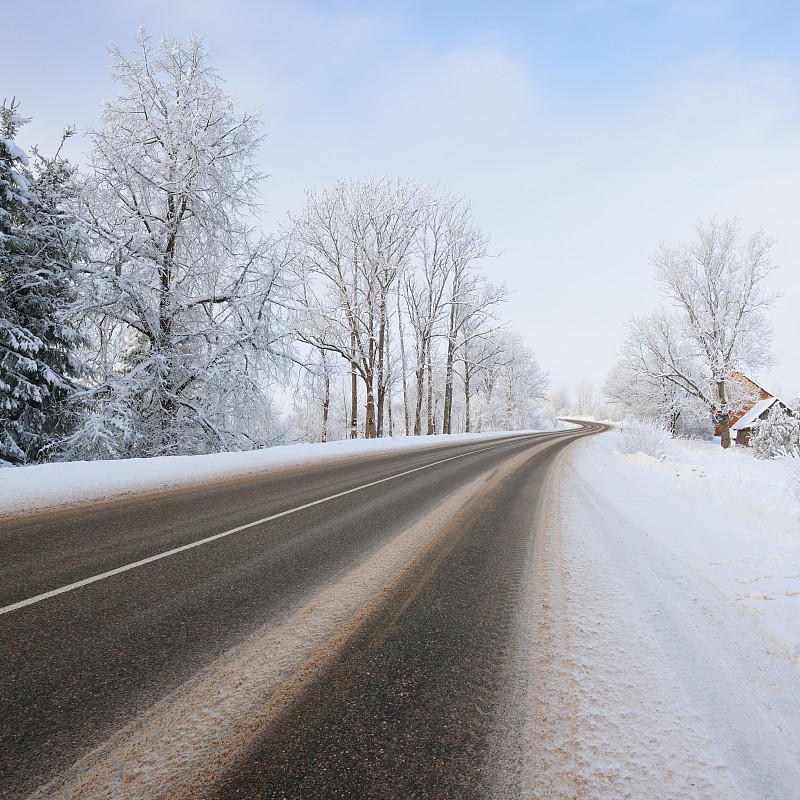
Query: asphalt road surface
{"points": [[343, 633]]}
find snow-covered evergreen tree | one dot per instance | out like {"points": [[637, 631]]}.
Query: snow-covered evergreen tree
{"points": [[778, 435], [180, 313], [38, 241]]}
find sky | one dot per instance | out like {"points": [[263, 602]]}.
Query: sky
{"points": [[585, 132]]}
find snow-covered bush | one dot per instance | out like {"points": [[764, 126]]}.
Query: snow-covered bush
{"points": [[648, 438], [778, 435], [545, 417], [793, 469]]}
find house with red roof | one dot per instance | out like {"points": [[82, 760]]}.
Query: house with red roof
{"points": [[755, 404]]}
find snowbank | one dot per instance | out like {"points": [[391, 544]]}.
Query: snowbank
{"points": [[641, 670], [731, 518], [51, 486]]}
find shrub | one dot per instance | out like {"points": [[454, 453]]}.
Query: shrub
{"points": [[793, 469], [648, 438]]}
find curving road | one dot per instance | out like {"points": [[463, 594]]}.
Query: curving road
{"points": [[334, 631]]}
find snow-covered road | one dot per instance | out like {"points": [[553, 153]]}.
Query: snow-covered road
{"points": [[635, 676]]}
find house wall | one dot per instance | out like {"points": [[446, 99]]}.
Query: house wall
{"points": [[758, 394]]}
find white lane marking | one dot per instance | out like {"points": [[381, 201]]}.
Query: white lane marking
{"points": [[103, 575]]}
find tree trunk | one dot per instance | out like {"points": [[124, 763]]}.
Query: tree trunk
{"points": [[326, 400], [725, 430], [430, 393], [402, 361], [420, 376], [448, 379], [353, 393], [467, 420], [369, 422], [381, 372], [723, 416], [167, 409]]}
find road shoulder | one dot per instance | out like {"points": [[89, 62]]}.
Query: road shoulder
{"points": [[635, 678]]}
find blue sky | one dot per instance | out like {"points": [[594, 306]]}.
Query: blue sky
{"points": [[585, 132]]}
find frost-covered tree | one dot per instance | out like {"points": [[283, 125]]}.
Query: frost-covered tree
{"points": [[585, 398], [354, 241], [658, 377], [472, 298], [180, 311], [389, 286], [38, 244], [778, 436], [309, 418], [717, 285], [559, 397], [424, 301], [482, 342], [393, 262], [444, 297], [511, 391]]}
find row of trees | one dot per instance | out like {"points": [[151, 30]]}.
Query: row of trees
{"points": [[143, 311], [583, 401], [391, 297], [677, 364]]}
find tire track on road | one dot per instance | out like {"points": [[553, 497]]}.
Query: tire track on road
{"points": [[187, 743], [407, 709]]}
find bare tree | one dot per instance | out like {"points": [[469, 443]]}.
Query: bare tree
{"points": [[717, 284], [560, 398], [354, 240]]}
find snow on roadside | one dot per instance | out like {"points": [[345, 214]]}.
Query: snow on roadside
{"points": [[730, 517], [51, 486], [640, 669]]}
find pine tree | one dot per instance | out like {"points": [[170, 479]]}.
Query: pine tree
{"points": [[37, 244], [778, 435]]}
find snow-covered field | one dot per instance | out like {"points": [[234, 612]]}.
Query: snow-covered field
{"points": [[658, 647]]}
